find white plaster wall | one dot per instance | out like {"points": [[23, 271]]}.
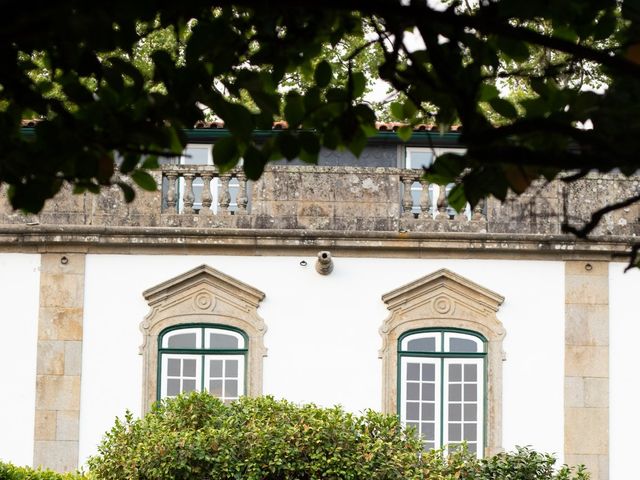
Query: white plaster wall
{"points": [[19, 298], [624, 386], [323, 336]]}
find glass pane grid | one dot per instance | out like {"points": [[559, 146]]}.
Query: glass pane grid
{"points": [[462, 405], [420, 407], [224, 378], [182, 376]]}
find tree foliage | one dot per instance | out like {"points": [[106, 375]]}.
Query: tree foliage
{"points": [[249, 63]]}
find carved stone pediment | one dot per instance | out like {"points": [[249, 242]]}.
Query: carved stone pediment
{"points": [[443, 295], [202, 295]]}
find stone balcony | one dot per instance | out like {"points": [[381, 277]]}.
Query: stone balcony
{"points": [[309, 199]]}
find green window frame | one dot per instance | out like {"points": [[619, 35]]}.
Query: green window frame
{"points": [[442, 386], [202, 357]]}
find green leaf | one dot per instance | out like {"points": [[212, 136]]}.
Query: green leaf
{"points": [[289, 145], [309, 142], [254, 162], [397, 111], [456, 198], [488, 92], [144, 180], [405, 132], [294, 109], [128, 192], [504, 108], [516, 50], [323, 74], [359, 83], [225, 153]]}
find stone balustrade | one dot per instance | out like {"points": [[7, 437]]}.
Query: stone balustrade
{"points": [[343, 199], [212, 195]]}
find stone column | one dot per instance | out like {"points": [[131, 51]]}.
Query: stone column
{"points": [[59, 361], [586, 383]]}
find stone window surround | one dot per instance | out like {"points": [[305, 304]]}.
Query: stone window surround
{"points": [[445, 299], [202, 295]]}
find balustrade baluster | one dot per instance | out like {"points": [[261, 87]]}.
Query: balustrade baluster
{"points": [[207, 198], [172, 177], [407, 200], [442, 203], [188, 197], [424, 198], [242, 199], [478, 211], [223, 194]]}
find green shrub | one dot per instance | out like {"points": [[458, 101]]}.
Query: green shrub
{"points": [[198, 437], [11, 472]]}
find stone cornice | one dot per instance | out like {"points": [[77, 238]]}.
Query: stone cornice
{"points": [[116, 239]]}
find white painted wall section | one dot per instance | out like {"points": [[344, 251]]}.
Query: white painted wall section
{"points": [[19, 297], [624, 380], [322, 336]]}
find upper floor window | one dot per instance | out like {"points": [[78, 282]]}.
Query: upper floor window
{"points": [[202, 358], [442, 387]]}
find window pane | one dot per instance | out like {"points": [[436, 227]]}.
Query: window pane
{"points": [[462, 345], [455, 412], [428, 431], [231, 368], [472, 447], [470, 431], [215, 388], [413, 371], [221, 341], [429, 446], [215, 368], [455, 393], [230, 388], [173, 387], [419, 159], [428, 391], [455, 432], [413, 391], [470, 373], [428, 411], [188, 385], [196, 156], [470, 411], [183, 340], [427, 344], [455, 373], [189, 368], [173, 367], [428, 372], [412, 411], [470, 392]]}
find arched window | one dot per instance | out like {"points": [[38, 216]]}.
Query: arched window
{"points": [[442, 383], [203, 332], [202, 357], [441, 348]]}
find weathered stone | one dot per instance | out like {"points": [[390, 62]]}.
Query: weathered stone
{"points": [[60, 323], [574, 392], [57, 392], [596, 392], [68, 425], [72, 357], [61, 290], [581, 361], [586, 431], [587, 289], [586, 324], [50, 359], [45, 425], [58, 455]]}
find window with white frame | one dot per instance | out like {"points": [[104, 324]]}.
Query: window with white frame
{"points": [[422, 157], [202, 358], [441, 387]]}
